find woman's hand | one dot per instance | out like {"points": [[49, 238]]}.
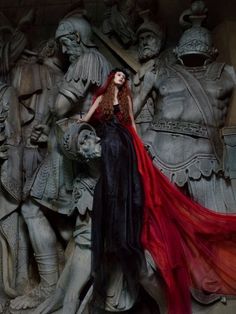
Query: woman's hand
{"points": [[80, 120]]}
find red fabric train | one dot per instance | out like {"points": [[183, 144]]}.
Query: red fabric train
{"points": [[193, 247]]}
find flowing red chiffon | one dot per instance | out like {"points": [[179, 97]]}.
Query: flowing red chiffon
{"points": [[193, 247]]}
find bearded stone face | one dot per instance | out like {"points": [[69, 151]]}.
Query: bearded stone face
{"points": [[149, 46], [89, 146], [71, 46]]}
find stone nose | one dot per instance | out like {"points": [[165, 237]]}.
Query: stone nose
{"points": [[64, 49], [98, 140]]}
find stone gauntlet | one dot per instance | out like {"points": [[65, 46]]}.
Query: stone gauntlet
{"points": [[40, 134]]}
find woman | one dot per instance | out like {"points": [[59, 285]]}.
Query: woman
{"points": [[117, 210], [193, 247]]}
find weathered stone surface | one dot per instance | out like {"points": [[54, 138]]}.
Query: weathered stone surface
{"points": [[51, 14], [38, 3], [48, 14], [218, 308], [10, 3]]}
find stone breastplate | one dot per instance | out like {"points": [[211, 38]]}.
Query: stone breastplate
{"points": [[178, 104], [184, 137]]}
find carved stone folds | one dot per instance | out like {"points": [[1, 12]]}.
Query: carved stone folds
{"points": [[47, 173]]}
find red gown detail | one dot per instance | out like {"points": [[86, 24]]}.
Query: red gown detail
{"points": [[193, 247]]}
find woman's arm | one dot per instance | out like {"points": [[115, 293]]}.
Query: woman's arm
{"points": [[131, 114], [91, 111]]}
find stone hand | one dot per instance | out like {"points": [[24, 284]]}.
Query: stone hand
{"points": [[40, 133]]}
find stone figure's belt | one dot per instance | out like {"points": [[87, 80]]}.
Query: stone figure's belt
{"points": [[181, 127]]}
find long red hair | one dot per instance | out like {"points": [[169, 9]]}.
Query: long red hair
{"points": [[108, 93]]}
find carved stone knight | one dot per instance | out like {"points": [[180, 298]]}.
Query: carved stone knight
{"points": [[193, 98], [10, 191], [150, 42], [53, 182], [120, 20], [13, 273], [80, 143]]}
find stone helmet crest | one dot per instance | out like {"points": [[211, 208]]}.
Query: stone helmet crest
{"points": [[75, 22], [196, 39]]}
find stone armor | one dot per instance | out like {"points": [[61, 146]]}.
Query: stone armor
{"points": [[184, 137]]}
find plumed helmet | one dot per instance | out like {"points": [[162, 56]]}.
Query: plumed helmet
{"points": [[76, 24], [196, 39]]}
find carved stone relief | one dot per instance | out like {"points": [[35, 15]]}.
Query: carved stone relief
{"points": [[184, 137], [47, 177]]}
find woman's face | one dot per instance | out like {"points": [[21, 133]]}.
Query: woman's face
{"points": [[119, 78]]}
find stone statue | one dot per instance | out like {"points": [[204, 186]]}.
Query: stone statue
{"points": [[88, 68], [52, 185], [80, 143], [150, 43], [13, 242], [121, 19], [35, 77], [10, 189], [180, 104], [13, 41], [10, 151], [193, 98]]}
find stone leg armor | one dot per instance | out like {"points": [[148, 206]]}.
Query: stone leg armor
{"points": [[43, 241]]}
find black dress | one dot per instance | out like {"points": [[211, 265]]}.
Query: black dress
{"points": [[192, 246], [118, 203]]}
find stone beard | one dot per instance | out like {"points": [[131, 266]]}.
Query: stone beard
{"points": [[149, 46]]}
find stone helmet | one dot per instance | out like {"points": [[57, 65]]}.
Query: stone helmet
{"points": [[196, 39], [76, 24], [150, 26], [69, 140]]}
